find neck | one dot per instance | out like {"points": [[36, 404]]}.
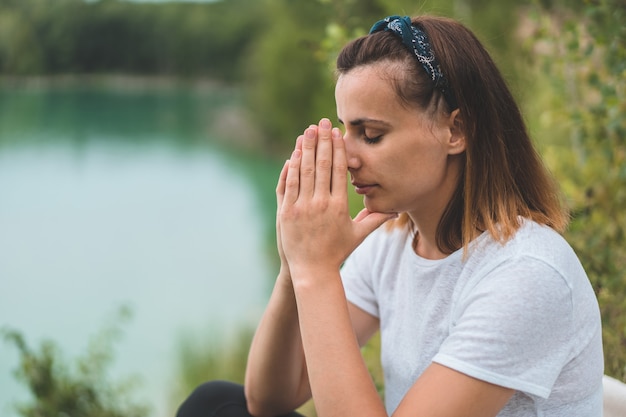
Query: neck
{"points": [[427, 217], [425, 241]]}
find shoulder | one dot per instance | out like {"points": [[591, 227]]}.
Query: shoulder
{"points": [[536, 270], [541, 241], [534, 246], [537, 267]]}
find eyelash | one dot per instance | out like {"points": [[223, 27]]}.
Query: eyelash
{"points": [[368, 140], [373, 140]]}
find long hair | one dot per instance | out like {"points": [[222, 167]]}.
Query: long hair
{"points": [[503, 178]]}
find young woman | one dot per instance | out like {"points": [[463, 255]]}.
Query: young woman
{"points": [[483, 308]]}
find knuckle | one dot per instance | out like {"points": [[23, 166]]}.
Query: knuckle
{"points": [[338, 204], [324, 163], [292, 183], [308, 143], [290, 213], [307, 172], [320, 204], [340, 166], [324, 136]]}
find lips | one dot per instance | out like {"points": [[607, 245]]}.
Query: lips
{"points": [[362, 188]]}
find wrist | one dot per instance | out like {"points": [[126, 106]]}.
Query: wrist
{"points": [[284, 271], [314, 276], [284, 278]]}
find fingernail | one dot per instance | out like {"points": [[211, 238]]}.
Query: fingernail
{"points": [[325, 124], [309, 133], [337, 133]]}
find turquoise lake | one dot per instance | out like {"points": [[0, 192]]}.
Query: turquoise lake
{"points": [[131, 197]]}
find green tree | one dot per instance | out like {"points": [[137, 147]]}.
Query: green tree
{"points": [[577, 108], [115, 36], [287, 84]]}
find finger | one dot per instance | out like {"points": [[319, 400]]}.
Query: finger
{"points": [[366, 222], [339, 185], [292, 179], [299, 140], [307, 165], [323, 158], [280, 187]]}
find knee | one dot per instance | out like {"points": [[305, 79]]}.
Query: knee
{"points": [[209, 396]]}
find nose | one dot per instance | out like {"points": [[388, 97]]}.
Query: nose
{"points": [[351, 153]]}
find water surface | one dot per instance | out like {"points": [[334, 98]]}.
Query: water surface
{"points": [[111, 198]]}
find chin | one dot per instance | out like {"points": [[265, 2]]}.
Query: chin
{"points": [[377, 206]]}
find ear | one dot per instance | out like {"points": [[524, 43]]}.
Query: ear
{"points": [[456, 142]]}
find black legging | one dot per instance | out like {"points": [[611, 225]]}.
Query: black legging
{"points": [[218, 399]]}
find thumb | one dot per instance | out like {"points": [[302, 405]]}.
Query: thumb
{"points": [[367, 221]]}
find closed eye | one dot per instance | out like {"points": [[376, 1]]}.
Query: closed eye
{"points": [[362, 126], [372, 140]]}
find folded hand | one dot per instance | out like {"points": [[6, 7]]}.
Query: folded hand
{"points": [[313, 220]]}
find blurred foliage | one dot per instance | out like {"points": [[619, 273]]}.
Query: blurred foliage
{"points": [[286, 82], [201, 360], [577, 59], [82, 388], [215, 359], [291, 79], [74, 36]]}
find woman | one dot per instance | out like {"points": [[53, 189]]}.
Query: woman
{"points": [[483, 308]]}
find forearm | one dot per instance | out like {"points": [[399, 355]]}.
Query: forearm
{"points": [[339, 378], [317, 235], [276, 380]]}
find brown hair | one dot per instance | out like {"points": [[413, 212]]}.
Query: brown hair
{"points": [[503, 177]]}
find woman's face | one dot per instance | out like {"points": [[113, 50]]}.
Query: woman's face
{"points": [[400, 159]]}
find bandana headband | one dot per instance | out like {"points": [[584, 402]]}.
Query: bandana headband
{"points": [[415, 39]]}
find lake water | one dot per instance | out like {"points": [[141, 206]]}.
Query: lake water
{"points": [[111, 197]]}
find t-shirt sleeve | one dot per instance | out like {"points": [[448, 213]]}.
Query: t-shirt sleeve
{"points": [[512, 327], [357, 275]]}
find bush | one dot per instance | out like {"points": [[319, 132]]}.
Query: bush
{"points": [[81, 388]]}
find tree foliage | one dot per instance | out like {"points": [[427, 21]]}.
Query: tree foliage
{"points": [[291, 79], [81, 388], [285, 80], [75, 36], [578, 64]]}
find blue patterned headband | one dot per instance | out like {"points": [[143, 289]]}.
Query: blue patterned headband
{"points": [[415, 39]]}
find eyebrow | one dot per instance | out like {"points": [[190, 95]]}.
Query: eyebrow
{"points": [[364, 120]]}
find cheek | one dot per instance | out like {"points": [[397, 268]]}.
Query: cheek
{"points": [[417, 168], [408, 161]]}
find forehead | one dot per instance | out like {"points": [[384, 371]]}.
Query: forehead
{"points": [[367, 92]]}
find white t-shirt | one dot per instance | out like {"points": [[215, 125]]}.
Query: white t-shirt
{"points": [[521, 315]]}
